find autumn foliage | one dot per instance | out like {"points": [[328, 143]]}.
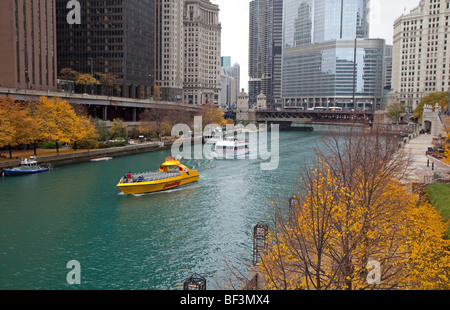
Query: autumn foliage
{"points": [[49, 119], [352, 209]]}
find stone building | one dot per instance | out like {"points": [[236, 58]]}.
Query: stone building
{"points": [[169, 67], [242, 107], [421, 59], [431, 120], [202, 50]]}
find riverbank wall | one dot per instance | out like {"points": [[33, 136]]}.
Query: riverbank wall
{"points": [[76, 158]]}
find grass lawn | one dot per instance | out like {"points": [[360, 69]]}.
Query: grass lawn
{"points": [[440, 197]]}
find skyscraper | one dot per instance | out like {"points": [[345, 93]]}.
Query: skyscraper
{"points": [[202, 50], [169, 69], [277, 53], [233, 72], [328, 59], [225, 61], [28, 49], [114, 37], [421, 62], [265, 48]]}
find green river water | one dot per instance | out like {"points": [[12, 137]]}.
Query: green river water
{"points": [[152, 241]]}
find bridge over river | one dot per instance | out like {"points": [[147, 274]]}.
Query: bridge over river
{"points": [[308, 117]]}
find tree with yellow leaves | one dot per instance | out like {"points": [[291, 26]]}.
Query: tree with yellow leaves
{"points": [[446, 158], [211, 115], [87, 80], [440, 98], [22, 126], [58, 122], [6, 127], [428, 249], [351, 212], [82, 128], [155, 122]]}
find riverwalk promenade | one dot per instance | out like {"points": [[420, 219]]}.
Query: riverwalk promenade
{"points": [[423, 165]]}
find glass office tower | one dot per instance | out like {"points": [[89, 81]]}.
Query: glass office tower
{"points": [[115, 37], [265, 50], [319, 54]]}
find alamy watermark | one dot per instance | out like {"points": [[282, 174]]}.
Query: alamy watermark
{"points": [[74, 275], [246, 142], [74, 15], [374, 272]]}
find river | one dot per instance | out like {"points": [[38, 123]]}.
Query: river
{"points": [[153, 241]]}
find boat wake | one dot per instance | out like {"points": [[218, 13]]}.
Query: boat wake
{"points": [[177, 189]]}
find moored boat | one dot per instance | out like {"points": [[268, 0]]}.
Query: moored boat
{"points": [[231, 148], [27, 166], [214, 136], [171, 174]]}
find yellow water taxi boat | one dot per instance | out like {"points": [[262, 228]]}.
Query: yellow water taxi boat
{"points": [[171, 174]]}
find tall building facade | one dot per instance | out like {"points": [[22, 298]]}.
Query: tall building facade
{"points": [[387, 73], [202, 49], [28, 50], [225, 61], [421, 58], [228, 91], [114, 37], [388, 67], [265, 45], [328, 58], [170, 60], [277, 54], [230, 83]]}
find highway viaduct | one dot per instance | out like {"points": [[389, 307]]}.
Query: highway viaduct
{"points": [[103, 107]]}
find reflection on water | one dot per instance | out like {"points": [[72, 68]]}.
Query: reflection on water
{"points": [[149, 241]]}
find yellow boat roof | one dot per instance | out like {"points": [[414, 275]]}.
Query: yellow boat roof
{"points": [[170, 161]]}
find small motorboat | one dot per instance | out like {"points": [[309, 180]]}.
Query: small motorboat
{"points": [[171, 174], [27, 166]]}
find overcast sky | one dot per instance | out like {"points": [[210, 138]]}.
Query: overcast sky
{"points": [[234, 15]]}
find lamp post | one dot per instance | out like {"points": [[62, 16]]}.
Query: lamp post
{"points": [[195, 283]]}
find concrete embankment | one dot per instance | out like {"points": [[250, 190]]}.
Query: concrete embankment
{"points": [[75, 158]]}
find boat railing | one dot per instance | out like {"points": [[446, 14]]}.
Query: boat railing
{"points": [[150, 176]]}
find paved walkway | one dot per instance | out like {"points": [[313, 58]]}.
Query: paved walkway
{"points": [[419, 168]]}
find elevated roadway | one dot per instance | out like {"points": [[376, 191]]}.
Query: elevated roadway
{"points": [[104, 107]]}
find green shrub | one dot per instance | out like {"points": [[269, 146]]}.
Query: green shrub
{"points": [[105, 145], [88, 144], [50, 145]]}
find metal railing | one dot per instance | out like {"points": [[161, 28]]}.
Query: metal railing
{"points": [[437, 178]]}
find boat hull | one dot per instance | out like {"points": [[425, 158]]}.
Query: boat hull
{"points": [[230, 155], [14, 172], [157, 186]]}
